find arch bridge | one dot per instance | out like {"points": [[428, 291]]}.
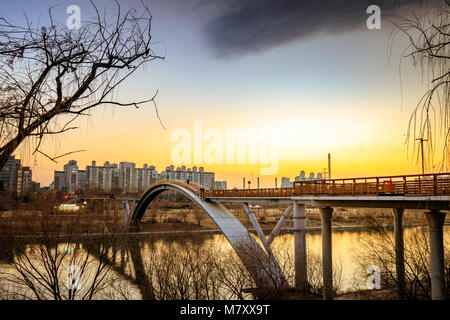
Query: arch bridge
{"points": [[427, 191], [260, 262]]}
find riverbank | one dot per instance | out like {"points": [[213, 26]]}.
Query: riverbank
{"points": [[212, 232], [282, 231], [190, 220]]}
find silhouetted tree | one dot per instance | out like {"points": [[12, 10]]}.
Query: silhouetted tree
{"points": [[379, 249], [58, 259], [51, 75]]}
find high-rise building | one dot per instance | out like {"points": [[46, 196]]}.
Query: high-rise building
{"points": [[82, 180], [8, 176], [71, 177], [127, 177], [59, 181], [220, 185], [286, 182], [23, 181], [145, 177], [108, 176], [16, 179], [92, 176], [300, 177], [35, 186], [102, 178], [201, 177], [207, 180]]}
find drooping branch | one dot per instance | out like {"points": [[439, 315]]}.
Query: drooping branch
{"points": [[428, 47]]}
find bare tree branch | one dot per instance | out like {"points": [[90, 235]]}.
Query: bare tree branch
{"points": [[428, 47], [53, 158], [49, 72]]}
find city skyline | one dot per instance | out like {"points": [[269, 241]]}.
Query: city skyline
{"points": [[16, 179], [126, 177], [283, 182], [170, 172]]}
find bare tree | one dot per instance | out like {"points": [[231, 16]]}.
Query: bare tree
{"points": [[58, 260], [428, 37], [182, 269], [51, 75], [380, 250]]}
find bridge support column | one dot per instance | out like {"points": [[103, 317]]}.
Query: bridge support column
{"points": [[435, 220], [126, 213], [327, 262], [300, 246], [399, 250]]}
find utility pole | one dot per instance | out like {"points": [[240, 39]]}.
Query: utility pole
{"points": [[329, 166], [421, 150]]}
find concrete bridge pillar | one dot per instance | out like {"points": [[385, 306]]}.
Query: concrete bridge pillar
{"points": [[435, 220], [300, 246], [126, 213], [399, 250], [327, 262]]}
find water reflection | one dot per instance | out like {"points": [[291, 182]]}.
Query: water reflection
{"points": [[141, 260]]}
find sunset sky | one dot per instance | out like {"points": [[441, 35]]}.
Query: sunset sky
{"points": [[314, 73]]}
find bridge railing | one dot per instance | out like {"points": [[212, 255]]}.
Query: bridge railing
{"points": [[262, 192], [194, 187], [407, 185]]}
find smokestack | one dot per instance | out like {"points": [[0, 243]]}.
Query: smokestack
{"points": [[243, 183], [257, 183], [276, 183], [329, 166]]}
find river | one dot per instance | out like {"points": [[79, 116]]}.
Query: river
{"points": [[167, 251]]}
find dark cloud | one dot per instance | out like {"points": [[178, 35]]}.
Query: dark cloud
{"points": [[242, 26]]}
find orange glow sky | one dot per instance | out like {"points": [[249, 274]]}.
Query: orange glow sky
{"points": [[336, 93]]}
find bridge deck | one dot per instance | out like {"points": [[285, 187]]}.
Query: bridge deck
{"points": [[425, 191], [424, 185]]}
